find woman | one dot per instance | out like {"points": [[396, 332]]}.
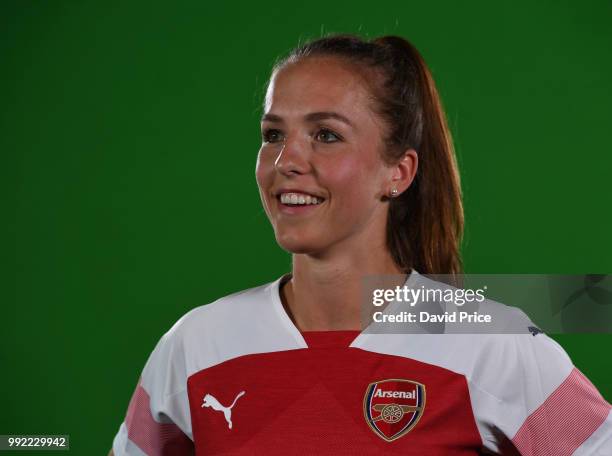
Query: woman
{"points": [[357, 175]]}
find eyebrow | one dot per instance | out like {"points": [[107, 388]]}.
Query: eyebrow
{"points": [[312, 117]]}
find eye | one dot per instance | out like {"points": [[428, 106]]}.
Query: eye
{"points": [[271, 136], [327, 136]]}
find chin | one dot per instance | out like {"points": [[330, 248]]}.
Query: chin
{"points": [[297, 244]]}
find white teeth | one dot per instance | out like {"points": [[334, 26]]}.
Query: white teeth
{"points": [[299, 199]]}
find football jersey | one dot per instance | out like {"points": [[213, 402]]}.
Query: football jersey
{"points": [[238, 377]]}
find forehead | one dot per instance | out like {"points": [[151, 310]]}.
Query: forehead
{"points": [[317, 84]]}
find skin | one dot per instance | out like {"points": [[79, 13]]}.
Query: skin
{"points": [[344, 238]]}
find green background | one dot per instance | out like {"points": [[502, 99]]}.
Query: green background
{"points": [[128, 138]]}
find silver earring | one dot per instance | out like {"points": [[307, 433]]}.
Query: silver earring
{"points": [[394, 192]]}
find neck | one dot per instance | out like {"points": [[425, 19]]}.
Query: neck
{"points": [[325, 292]]}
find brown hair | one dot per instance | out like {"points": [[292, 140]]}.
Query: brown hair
{"points": [[425, 223]]}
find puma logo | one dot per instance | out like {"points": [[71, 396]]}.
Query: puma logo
{"points": [[212, 402], [534, 331]]}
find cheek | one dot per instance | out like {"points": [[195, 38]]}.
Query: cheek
{"points": [[265, 172], [352, 179], [264, 169]]}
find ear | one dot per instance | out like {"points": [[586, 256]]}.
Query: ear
{"points": [[403, 172]]}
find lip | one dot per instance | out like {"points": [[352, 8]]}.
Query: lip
{"points": [[297, 210]]}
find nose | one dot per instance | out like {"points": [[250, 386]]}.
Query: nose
{"points": [[292, 158]]}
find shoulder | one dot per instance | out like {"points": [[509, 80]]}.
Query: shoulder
{"points": [[231, 321], [505, 357], [467, 302], [508, 347], [230, 312], [243, 323]]}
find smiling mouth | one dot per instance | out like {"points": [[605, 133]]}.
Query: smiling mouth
{"points": [[299, 199]]}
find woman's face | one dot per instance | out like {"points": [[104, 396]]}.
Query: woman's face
{"points": [[320, 174]]}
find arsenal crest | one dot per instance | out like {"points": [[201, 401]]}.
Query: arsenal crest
{"points": [[393, 407]]}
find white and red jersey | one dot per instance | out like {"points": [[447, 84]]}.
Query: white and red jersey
{"points": [[237, 377]]}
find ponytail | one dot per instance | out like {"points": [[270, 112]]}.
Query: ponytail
{"points": [[425, 223]]}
